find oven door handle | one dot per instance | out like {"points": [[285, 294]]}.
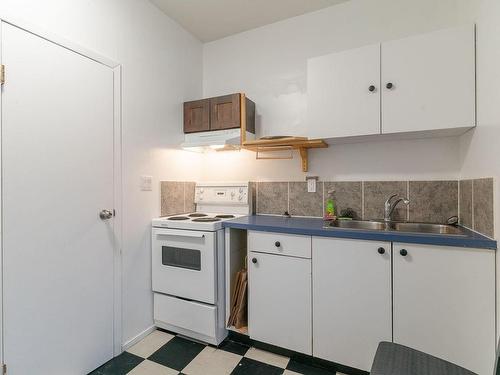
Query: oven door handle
{"points": [[181, 233]]}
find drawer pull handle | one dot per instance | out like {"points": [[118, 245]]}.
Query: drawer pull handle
{"points": [[277, 244], [403, 252], [381, 250], [254, 260]]}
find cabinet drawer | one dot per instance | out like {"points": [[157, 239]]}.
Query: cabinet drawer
{"points": [[279, 243], [189, 315]]}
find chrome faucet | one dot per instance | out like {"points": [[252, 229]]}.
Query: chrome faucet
{"points": [[390, 205]]}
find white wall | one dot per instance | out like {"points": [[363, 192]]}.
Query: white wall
{"points": [[269, 65], [479, 151], [161, 69]]}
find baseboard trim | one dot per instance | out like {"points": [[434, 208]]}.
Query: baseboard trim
{"points": [[136, 339]]}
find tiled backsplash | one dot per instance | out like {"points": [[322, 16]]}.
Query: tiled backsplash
{"points": [[476, 205], [430, 201], [177, 197]]}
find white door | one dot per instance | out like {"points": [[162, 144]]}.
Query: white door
{"points": [[343, 93], [57, 174], [433, 81], [444, 303], [351, 299], [279, 301]]}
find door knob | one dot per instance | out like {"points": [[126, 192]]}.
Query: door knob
{"points": [[389, 85], [403, 252], [381, 250], [371, 88], [254, 260], [277, 244], [106, 214]]}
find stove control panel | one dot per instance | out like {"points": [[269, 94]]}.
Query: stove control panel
{"points": [[221, 194]]}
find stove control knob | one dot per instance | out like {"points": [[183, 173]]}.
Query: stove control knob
{"points": [[240, 197]]}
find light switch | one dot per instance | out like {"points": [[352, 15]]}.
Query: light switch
{"points": [[146, 183]]}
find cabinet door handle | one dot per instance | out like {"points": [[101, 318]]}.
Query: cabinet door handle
{"points": [[277, 244], [381, 250], [371, 88], [403, 252], [389, 85], [254, 260]]}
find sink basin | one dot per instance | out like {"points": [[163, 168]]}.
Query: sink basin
{"points": [[427, 228], [359, 224], [392, 226]]}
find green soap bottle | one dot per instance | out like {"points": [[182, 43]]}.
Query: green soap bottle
{"points": [[330, 205]]}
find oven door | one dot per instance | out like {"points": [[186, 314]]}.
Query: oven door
{"points": [[184, 264]]}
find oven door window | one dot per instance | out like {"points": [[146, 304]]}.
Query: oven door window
{"points": [[181, 258]]}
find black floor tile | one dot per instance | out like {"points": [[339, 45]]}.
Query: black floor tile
{"points": [[248, 366], [120, 365], [177, 353], [303, 368], [234, 347]]}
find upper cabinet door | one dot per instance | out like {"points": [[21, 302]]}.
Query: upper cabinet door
{"points": [[343, 91], [197, 116], [429, 81], [225, 112]]}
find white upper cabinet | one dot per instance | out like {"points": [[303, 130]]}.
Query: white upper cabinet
{"points": [[433, 81], [344, 93], [421, 83]]}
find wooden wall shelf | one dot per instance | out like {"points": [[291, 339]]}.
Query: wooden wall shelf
{"points": [[300, 144]]}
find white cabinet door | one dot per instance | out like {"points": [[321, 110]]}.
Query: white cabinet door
{"points": [[433, 78], [340, 103], [351, 299], [444, 303], [279, 302]]}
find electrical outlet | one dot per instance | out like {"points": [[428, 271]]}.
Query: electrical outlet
{"points": [[311, 185], [146, 183]]}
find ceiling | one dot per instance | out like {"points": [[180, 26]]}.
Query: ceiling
{"points": [[214, 19]]}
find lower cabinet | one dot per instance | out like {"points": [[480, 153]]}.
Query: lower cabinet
{"points": [[444, 303], [351, 299], [279, 305], [336, 299]]}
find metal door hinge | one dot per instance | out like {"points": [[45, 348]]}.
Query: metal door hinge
{"points": [[2, 74]]}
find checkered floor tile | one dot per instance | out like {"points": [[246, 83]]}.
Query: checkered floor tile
{"points": [[162, 353]]}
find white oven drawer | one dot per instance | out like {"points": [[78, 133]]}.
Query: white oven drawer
{"points": [[184, 264], [188, 315], [279, 243]]}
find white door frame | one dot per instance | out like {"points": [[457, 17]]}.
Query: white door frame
{"points": [[117, 173]]}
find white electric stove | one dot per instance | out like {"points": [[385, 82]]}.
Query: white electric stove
{"points": [[188, 262]]}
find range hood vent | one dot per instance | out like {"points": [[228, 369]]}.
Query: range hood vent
{"points": [[217, 140]]}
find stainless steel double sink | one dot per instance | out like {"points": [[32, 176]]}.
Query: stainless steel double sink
{"points": [[396, 226]]}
